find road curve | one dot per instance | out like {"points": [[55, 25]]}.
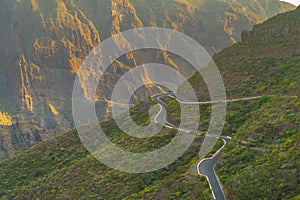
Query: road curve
{"points": [[205, 167]]}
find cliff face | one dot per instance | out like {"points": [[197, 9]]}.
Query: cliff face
{"points": [[260, 162], [43, 43]]}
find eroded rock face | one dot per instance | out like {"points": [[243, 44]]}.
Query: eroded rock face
{"points": [[278, 31], [43, 43]]}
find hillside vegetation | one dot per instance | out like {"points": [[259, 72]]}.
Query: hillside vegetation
{"points": [[266, 164], [61, 168], [43, 43], [260, 162]]}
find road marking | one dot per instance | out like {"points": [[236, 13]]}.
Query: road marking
{"points": [[158, 96], [215, 174]]}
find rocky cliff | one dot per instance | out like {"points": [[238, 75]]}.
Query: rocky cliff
{"points": [[260, 162], [43, 43]]}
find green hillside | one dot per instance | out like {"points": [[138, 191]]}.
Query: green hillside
{"points": [[44, 42], [266, 165], [260, 162], [61, 168]]}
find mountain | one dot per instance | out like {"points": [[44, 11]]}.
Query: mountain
{"points": [[262, 159], [260, 162], [43, 43], [267, 164]]}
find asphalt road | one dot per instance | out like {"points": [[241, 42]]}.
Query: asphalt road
{"points": [[161, 117], [206, 167]]}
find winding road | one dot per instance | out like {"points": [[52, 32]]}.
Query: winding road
{"points": [[205, 167]]}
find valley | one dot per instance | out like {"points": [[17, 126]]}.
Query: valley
{"points": [[255, 48], [43, 43]]}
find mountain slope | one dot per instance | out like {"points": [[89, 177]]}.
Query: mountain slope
{"points": [[61, 168], [260, 162], [266, 163], [266, 62], [43, 43], [262, 159]]}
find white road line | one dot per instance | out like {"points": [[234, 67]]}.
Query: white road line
{"points": [[201, 161], [157, 96]]}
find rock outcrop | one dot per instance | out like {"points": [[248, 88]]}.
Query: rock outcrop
{"points": [[43, 44]]}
